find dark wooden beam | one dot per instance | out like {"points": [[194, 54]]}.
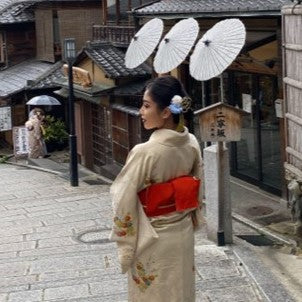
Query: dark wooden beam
{"points": [[129, 9], [117, 11], [104, 12], [259, 43]]}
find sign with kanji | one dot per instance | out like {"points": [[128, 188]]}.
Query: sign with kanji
{"points": [[220, 122], [5, 119], [20, 139]]}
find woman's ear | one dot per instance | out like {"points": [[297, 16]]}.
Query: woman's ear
{"points": [[166, 113]]}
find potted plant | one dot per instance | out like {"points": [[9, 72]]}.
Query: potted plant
{"points": [[55, 134]]}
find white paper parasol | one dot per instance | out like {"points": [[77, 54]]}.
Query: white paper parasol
{"points": [[217, 49], [176, 45], [143, 43]]}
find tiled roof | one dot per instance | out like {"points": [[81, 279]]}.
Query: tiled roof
{"points": [[136, 88], [47, 79], [16, 11], [212, 7], [14, 79], [6, 3], [111, 60], [128, 109]]}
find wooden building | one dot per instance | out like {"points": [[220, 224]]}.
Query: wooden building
{"points": [[17, 33], [106, 107], [117, 26], [31, 39], [57, 20], [253, 82], [17, 61]]}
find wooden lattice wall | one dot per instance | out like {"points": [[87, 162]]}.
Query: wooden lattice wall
{"points": [[292, 72]]}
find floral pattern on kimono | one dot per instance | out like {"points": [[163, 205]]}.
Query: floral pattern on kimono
{"points": [[123, 226], [142, 275]]}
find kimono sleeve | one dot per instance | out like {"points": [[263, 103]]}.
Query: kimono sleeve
{"points": [[126, 206], [197, 171]]}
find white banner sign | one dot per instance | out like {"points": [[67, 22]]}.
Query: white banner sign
{"points": [[247, 102], [20, 137], [5, 119]]}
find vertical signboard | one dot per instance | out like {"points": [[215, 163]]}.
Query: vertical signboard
{"points": [[20, 138], [5, 119]]}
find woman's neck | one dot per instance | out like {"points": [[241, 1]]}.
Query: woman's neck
{"points": [[169, 124]]}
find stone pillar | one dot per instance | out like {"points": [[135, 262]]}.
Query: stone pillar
{"points": [[211, 166]]}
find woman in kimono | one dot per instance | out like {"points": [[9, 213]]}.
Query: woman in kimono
{"points": [[156, 201], [35, 129]]}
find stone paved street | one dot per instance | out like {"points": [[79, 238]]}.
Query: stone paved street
{"points": [[43, 259]]}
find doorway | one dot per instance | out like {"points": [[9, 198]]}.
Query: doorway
{"points": [[257, 156]]}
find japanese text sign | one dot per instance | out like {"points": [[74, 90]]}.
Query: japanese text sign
{"points": [[20, 138], [220, 122], [5, 119]]}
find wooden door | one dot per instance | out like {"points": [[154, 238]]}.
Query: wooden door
{"points": [[101, 136]]}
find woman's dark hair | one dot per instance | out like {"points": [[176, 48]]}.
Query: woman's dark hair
{"points": [[163, 89]]}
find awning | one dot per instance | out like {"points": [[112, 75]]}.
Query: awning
{"points": [[65, 93], [127, 109]]}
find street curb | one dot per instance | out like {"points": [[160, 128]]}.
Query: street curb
{"points": [[35, 168], [263, 230], [61, 174]]}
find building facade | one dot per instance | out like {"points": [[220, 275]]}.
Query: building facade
{"points": [[253, 82]]}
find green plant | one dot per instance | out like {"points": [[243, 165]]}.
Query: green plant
{"points": [[55, 130], [3, 159]]}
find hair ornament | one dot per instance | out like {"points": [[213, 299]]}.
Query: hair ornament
{"points": [[180, 104], [186, 104], [176, 104]]}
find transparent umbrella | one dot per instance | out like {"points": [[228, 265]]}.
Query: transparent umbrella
{"points": [[43, 100], [176, 45], [143, 43], [217, 49]]}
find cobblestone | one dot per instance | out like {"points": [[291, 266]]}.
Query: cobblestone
{"points": [[41, 260], [67, 292], [3, 297], [26, 296], [18, 246], [53, 242]]}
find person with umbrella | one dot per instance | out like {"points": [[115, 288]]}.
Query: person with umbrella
{"points": [[34, 125], [156, 200]]}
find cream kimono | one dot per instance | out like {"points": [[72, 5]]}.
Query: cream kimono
{"points": [[157, 252], [35, 139]]}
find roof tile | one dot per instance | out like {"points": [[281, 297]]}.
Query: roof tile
{"points": [[14, 79], [210, 6], [16, 11], [111, 60]]}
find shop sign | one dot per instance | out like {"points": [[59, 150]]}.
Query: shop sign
{"points": [[80, 75], [5, 119], [20, 140], [220, 122]]}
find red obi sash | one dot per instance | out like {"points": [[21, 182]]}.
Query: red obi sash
{"points": [[177, 194]]}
